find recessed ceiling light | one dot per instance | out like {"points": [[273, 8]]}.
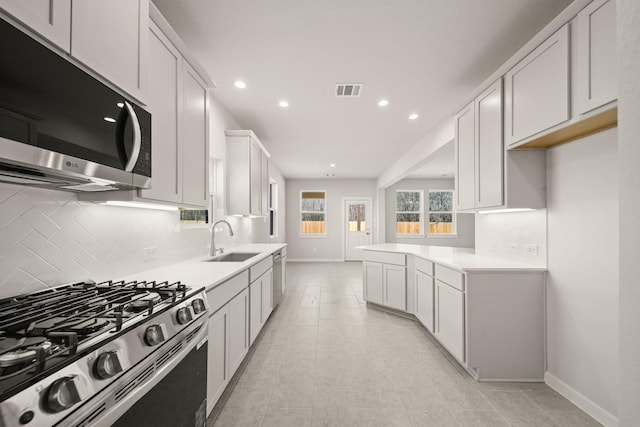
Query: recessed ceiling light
{"points": [[332, 165], [383, 103], [283, 103], [120, 104], [109, 119], [240, 84], [413, 116]]}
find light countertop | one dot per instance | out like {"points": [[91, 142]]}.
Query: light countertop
{"points": [[457, 258], [196, 273]]}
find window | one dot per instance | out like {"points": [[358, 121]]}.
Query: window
{"points": [[194, 216], [312, 213], [441, 215], [409, 212], [273, 210]]}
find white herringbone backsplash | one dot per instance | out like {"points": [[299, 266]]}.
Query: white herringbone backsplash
{"points": [[48, 238]]}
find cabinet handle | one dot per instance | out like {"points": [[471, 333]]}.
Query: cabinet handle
{"points": [[130, 163]]}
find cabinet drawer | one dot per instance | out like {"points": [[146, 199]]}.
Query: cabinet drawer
{"points": [[425, 266], [223, 293], [450, 277], [260, 268], [385, 257]]}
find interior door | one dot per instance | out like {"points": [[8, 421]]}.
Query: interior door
{"points": [[357, 227]]}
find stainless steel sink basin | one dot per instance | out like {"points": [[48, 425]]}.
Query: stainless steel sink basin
{"points": [[232, 257]]}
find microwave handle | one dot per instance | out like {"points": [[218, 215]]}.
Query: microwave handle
{"points": [[137, 138]]}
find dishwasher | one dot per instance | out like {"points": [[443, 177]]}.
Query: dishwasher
{"points": [[278, 261]]}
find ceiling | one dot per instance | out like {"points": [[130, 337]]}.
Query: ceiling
{"points": [[423, 56]]}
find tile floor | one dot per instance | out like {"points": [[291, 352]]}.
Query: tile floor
{"points": [[325, 359]]}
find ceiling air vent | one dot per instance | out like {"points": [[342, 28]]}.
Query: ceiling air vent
{"points": [[348, 90]]}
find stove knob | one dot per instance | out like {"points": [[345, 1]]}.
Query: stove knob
{"points": [[155, 334], [108, 365], [198, 305], [184, 315], [63, 394]]}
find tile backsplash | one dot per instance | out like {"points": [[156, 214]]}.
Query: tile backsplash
{"points": [[49, 238]]}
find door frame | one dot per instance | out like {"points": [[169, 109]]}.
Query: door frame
{"points": [[344, 221]]}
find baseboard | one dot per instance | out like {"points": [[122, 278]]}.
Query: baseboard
{"points": [[580, 400], [313, 260]]}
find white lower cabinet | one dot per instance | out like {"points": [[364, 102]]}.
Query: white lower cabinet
{"points": [[260, 297], [424, 299], [228, 344], [449, 315], [217, 357], [238, 330], [385, 279]]}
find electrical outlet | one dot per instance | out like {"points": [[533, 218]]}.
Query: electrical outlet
{"points": [[513, 248], [531, 249], [150, 253]]}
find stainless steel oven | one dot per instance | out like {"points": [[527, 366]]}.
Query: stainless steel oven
{"points": [[113, 353]]}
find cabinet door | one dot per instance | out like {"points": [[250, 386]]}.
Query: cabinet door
{"points": [[465, 158], [110, 37], [597, 73], [164, 88], [372, 282], [264, 184], [266, 282], [450, 319], [49, 18], [255, 310], [395, 286], [256, 180], [238, 330], [537, 89], [489, 149], [217, 356], [424, 299], [194, 138]]}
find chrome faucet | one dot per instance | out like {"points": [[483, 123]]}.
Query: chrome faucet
{"points": [[213, 236]]}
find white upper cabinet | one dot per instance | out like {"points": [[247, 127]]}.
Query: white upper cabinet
{"points": [[110, 37], [178, 105], [465, 158], [194, 138], [489, 148], [49, 18], [247, 174], [480, 152], [596, 56], [537, 89], [165, 71]]}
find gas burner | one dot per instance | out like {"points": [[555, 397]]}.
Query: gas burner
{"points": [[24, 353], [86, 327], [144, 301]]}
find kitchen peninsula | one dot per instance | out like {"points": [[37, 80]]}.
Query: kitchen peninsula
{"points": [[487, 312]]}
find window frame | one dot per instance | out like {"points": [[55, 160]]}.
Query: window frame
{"points": [[324, 213], [454, 222], [421, 214], [273, 210]]}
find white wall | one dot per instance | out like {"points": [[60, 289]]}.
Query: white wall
{"points": [[465, 222], [505, 235], [628, 13], [583, 276], [329, 248]]}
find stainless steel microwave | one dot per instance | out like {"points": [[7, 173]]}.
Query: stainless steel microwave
{"points": [[62, 128]]}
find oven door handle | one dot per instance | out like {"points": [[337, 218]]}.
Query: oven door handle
{"points": [[128, 112]]}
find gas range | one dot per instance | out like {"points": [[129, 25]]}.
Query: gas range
{"points": [[66, 351]]}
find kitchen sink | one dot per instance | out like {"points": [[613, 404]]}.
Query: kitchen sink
{"points": [[232, 257]]}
